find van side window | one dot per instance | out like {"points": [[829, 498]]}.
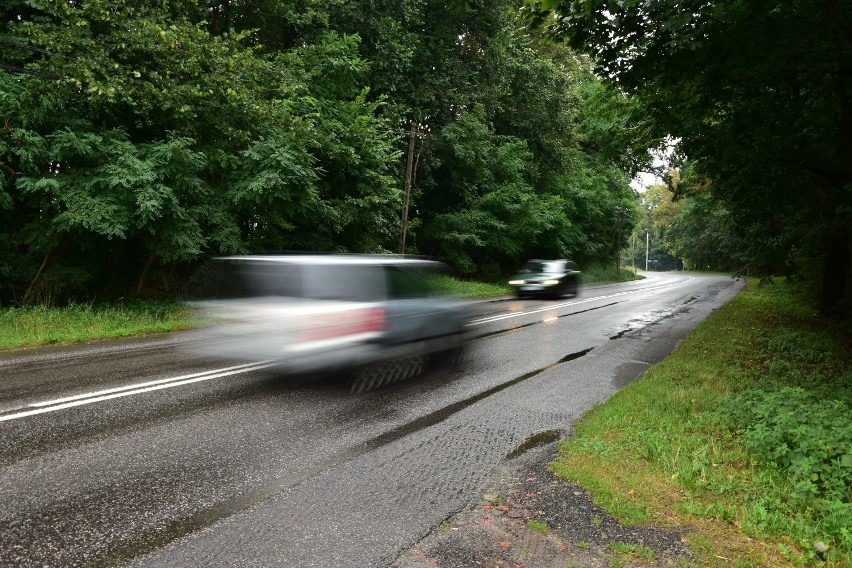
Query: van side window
{"points": [[406, 282], [358, 283]]}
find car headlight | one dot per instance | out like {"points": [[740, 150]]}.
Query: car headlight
{"points": [[550, 282], [517, 282]]}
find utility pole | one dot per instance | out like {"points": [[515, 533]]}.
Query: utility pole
{"points": [[633, 252], [620, 213], [647, 243], [413, 135]]}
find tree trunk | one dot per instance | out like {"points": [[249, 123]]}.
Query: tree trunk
{"points": [[835, 270], [140, 286], [44, 263]]}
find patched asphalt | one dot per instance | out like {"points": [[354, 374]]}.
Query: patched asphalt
{"points": [[530, 518]]}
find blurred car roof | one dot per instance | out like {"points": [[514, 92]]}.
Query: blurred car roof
{"points": [[335, 258]]}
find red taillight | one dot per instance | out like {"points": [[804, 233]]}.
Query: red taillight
{"points": [[328, 326], [374, 320]]}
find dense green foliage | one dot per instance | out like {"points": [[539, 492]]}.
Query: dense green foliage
{"points": [[695, 232], [652, 236], [814, 446], [138, 138], [807, 370], [743, 429], [758, 96]]}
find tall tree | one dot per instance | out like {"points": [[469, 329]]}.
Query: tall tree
{"points": [[485, 84], [143, 135], [759, 95]]}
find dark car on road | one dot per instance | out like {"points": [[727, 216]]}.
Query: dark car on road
{"points": [[550, 278], [379, 317]]}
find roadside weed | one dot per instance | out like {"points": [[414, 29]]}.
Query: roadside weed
{"points": [[594, 274], [537, 526], [632, 550]]}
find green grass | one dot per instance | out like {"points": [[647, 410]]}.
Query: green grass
{"points": [[537, 526], [469, 288], [629, 551], [38, 325], [743, 433], [597, 274]]}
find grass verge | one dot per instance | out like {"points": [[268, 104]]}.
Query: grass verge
{"points": [[39, 325], [596, 274], [469, 288], [742, 436]]}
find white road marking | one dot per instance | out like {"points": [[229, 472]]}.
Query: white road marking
{"points": [[550, 307], [137, 386], [98, 396]]}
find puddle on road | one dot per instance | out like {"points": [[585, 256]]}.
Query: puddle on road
{"points": [[646, 320], [535, 441], [621, 334], [539, 322]]}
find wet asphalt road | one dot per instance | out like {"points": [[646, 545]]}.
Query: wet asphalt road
{"points": [[135, 453]]}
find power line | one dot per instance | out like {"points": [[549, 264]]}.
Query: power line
{"points": [[34, 72], [34, 48], [25, 71]]}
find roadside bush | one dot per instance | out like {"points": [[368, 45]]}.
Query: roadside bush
{"points": [[746, 423], [796, 419], [809, 437]]}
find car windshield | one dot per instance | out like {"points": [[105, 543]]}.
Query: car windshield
{"points": [[542, 266]]}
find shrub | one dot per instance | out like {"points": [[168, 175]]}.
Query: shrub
{"points": [[809, 437]]}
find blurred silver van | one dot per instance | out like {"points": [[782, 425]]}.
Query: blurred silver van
{"points": [[378, 316]]}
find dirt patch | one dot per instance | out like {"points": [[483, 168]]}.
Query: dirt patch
{"points": [[529, 518]]}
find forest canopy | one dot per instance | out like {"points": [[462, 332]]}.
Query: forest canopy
{"points": [[140, 137]]}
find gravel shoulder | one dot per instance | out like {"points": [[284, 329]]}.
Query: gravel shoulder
{"points": [[529, 518]]}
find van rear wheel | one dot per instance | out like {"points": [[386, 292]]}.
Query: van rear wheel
{"points": [[381, 373]]}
